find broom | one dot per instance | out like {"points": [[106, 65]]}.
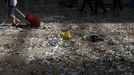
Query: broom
{"points": [[33, 20]]}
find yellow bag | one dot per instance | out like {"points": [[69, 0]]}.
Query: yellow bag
{"points": [[66, 35]]}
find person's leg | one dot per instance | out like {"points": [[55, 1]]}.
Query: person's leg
{"points": [[83, 5], [101, 3], [114, 4], [90, 5], [15, 20], [11, 15], [96, 7], [120, 4]]}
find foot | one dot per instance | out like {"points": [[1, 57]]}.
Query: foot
{"points": [[15, 24], [18, 20]]}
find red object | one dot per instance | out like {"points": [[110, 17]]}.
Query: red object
{"points": [[33, 20], [30, 18]]}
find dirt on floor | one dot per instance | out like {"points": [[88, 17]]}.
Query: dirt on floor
{"points": [[101, 44]]}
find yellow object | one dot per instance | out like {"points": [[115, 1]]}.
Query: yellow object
{"points": [[66, 35]]}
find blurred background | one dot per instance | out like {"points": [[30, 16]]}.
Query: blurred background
{"points": [[60, 10]]}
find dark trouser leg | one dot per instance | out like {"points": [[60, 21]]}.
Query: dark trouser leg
{"points": [[96, 8], [114, 4], [90, 5], [83, 5], [102, 6], [120, 4]]}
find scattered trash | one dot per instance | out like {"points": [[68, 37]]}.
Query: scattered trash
{"points": [[46, 46], [66, 35], [2, 31], [45, 25], [52, 41], [73, 45], [95, 38], [2, 48], [42, 25]]}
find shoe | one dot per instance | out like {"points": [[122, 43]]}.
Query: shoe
{"points": [[18, 20], [17, 24], [14, 24]]}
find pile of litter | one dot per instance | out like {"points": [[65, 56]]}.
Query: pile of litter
{"points": [[68, 49]]}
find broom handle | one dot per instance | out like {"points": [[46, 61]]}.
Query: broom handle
{"points": [[20, 12]]}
